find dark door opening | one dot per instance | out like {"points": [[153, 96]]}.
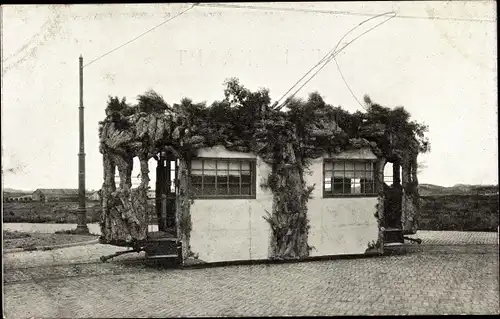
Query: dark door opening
{"points": [[166, 192], [393, 196]]}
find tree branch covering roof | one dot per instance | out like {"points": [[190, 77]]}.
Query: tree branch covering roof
{"points": [[244, 121]]}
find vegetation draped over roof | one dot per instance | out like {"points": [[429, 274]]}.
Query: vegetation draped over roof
{"points": [[244, 121]]}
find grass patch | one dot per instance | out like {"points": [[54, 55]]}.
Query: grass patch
{"points": [[459, 213], [30, 241], [15, 235], [52, 212]]}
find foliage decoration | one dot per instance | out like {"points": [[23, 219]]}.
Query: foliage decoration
{"points": [[244, 121]]}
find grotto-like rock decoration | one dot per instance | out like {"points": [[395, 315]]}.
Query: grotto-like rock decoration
{"points": [[244, 121]]}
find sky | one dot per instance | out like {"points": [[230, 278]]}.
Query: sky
{"points": [[444, 72]]}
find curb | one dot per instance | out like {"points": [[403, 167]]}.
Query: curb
{"points": [[218, 264], [42, 248]]}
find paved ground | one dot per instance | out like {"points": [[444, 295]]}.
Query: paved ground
{"points": [[443, 277]]}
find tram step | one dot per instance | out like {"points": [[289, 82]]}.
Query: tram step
{"points": [[393, 236], [162, 256], [162, 247]]}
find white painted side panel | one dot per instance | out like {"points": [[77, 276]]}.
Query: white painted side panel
{"points": [[232, 229], [338, 225]]}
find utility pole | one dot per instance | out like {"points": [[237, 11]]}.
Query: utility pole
{"points": [[82, 210]]}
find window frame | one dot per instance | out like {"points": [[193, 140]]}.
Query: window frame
{"points": [[374, 162], [253, 178]]}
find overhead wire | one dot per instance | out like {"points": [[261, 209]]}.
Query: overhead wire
{"points": [[222, 5], [325, 60], [142, 34], [331, 52], [331, 55], [346, 84]]}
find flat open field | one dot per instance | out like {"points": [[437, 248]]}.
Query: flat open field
{"points": [[32, 240], [440, 212]]}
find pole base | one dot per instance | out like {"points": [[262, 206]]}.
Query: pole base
{"points": [[82, 229]]}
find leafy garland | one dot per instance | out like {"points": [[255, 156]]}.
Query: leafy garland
{"points": [[243, 121]]}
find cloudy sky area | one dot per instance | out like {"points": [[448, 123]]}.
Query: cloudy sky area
{"points": [[443, 72]]}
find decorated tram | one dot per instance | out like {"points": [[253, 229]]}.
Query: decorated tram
{"points": [[240, 180]]}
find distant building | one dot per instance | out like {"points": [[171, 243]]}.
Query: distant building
{"points": [[16, 197], [51, 195]]}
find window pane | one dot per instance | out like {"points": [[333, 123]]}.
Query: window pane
{"points": [[338, 174], [328, 175], [246, 178], [209, 164], [338, 166], [208, 189], [355, 186], [370, 170], [328, 187], [221, 177], [337, 188], [234, 179], [222, 172], [234, 189], [209, 172], [328, 166], [222, 180], [196, 179], [350, 177], [222, 189], [209, 180], [196, 172], [347, 186], [349, 174], [349, 166], [222, 165], [245, 190], [369, 175], [358, 174], [363, 174], [196, 189], [360, 166], [196, 164], [367, 186]]}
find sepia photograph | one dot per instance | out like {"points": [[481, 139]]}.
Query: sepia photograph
{"points": [[249, 159]]}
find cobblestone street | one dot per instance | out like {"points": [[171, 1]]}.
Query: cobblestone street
{"points": [[443, 277], [202, 160]]}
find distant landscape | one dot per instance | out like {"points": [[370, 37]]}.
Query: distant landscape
{"points": [[12, 190], [27, 192], [459, 189], [425, 190]]}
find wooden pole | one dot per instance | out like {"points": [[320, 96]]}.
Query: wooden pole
{"points": [[82, 216]]}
